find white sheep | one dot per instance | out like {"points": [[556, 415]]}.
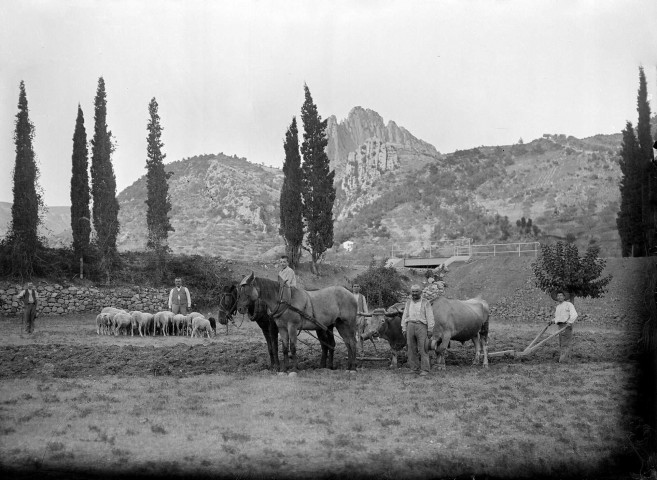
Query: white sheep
{"points": [[141, 321], [122, 320], [201, 324], [179, 324], [163, 319]]}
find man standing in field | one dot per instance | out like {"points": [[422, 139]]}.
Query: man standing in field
{"points": [[30, 301], [565, 316], [361, 322], [180, 301], [417, 324]]}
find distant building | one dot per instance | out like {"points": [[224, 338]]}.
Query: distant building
{"points": [[348, 245]]}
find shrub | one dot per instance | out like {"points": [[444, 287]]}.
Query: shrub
{"points": [[381, 285]]}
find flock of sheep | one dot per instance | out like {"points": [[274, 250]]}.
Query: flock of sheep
{"points": [[115, 320]]}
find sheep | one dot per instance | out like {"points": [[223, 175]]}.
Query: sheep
{"points": [[112, 312], [190, 317], [102, 323], [201, 324], [162, 319], [122, 320], [179, 320], [142, 321]]}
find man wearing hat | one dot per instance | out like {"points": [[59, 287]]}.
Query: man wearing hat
{"points": [[30, 301], [564, 316], [417, 324]]}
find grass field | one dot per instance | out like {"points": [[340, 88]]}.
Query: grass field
{"points": [[73, 403]]}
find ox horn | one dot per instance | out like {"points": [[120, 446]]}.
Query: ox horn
{"points": [[248, 279]]}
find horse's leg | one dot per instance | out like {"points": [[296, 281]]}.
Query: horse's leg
{"points": [[292, 334], [393, 361], [347, 331], [476, 342], [273, 334], [330, 337], [285, 340], [323, 342], [484, 345]]}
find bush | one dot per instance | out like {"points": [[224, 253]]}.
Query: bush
{"points": [[381, 285]]}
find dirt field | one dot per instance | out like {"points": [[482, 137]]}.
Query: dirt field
{"points": [[74, 404], [73, 401]]}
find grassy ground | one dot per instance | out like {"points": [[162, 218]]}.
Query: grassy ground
{"points": [[72, 401]]}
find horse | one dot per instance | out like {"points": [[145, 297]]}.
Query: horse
{"points": [[257, 312], [319, 310]]}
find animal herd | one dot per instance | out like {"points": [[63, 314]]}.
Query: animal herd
{"points": [[324, 309], [320, 310], [114, 321]]}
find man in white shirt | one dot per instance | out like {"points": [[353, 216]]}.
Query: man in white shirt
{"points": [[565, 316], [417, 324], [286, 279], [30, 301], [179, 299]]}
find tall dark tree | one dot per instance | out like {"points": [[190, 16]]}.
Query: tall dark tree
{"points": [[291, 204], [649, 183], [158, 201], [103, 184], [22, 242], [317, 182], [80, 196], [629, 219]]}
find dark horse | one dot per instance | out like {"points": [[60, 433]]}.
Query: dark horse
{"points": [[321, 310], [257, 312]]}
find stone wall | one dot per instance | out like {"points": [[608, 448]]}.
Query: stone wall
{"points": [[59, 300]]}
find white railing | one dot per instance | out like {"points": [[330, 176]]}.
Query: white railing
{"points": [[438, 250]]}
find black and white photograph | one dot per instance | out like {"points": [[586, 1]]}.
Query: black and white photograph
{"points": [[278, 239]]}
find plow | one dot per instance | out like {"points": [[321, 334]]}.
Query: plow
{"points": [[532, 347]]}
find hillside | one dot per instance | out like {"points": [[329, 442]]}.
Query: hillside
{"points": [[392, 189], [221, 205]]}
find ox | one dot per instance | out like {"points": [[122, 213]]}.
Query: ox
{"points": [[386, 325], [459, 320]]}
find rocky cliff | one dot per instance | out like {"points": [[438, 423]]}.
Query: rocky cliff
{"points": [[362, 149]]}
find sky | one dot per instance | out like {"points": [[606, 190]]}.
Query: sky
{"points": [[228, 75]]}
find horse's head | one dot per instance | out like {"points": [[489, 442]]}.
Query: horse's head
{"points": [[227, 304], [247, 293]]}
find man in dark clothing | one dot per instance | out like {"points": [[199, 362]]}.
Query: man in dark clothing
{"points": [[30, 301]]}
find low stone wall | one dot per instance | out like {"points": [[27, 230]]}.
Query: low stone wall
{"points": [[59, 300]]}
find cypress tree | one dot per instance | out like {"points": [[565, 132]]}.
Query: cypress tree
{"points": [[646, 158], [80, 196], [628, 221], [22, 242], [291, 228], [158, 201], [317, 182], [103, 183]]}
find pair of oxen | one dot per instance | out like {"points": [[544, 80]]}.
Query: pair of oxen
{"points": [[322, 310]]}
